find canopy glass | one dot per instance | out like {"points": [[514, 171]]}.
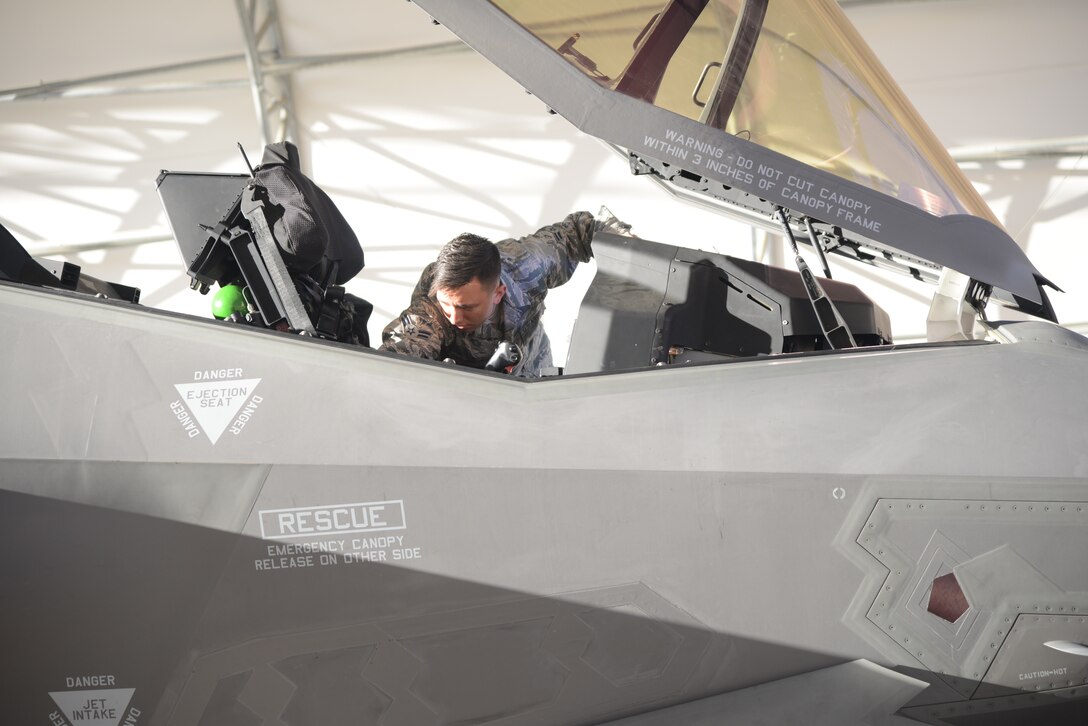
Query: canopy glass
{"points": [[790, 75]]}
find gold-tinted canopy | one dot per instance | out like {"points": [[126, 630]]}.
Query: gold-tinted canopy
{"points": [[792, 76]]}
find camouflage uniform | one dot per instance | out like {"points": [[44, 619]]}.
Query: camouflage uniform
{"points": [[530, 266]]}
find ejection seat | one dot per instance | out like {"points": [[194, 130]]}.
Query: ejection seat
{"points": [[282, 241]]}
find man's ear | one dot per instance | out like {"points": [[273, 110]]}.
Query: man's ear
{"points": [[500, 290]]}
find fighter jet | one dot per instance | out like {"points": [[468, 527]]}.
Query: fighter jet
{"points": [[740, 501]]}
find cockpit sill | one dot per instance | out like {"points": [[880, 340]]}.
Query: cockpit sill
{"points": [[999, 333]]}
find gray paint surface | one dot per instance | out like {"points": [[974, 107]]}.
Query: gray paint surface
{"points": [[602, 546]]}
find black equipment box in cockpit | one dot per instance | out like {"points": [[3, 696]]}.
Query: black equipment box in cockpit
{"points": [[654, 304]]}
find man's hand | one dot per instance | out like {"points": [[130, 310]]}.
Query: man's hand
{"points": [[608, 222]]}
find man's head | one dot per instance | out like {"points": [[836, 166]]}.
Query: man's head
{"points": [[466, 281]]}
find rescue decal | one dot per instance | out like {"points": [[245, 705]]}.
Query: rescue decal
{"points": [[215, 401], [334, 534], [92, 701]]}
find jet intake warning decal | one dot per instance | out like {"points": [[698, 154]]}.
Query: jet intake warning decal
{"points": [[95, 706], [215, 400]]}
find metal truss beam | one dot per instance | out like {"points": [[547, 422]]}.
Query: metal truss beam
{"points": [[110, 84], [272, 95]]}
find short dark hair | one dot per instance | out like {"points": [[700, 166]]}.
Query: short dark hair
{"points": [[464, 258]]}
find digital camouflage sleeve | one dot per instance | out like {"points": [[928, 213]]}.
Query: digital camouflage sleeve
{"points": [[530, 266]]}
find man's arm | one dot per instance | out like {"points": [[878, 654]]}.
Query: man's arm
{"points": [[553, 252], [419, 330]]}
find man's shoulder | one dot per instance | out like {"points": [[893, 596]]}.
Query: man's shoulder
{"points": [[426, 278], [521, 263]]}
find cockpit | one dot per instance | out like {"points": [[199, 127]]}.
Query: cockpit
{"points": [[773, 111]]}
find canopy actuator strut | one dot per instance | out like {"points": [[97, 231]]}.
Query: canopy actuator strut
{"points": [[819, 247], [831, 321]]}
